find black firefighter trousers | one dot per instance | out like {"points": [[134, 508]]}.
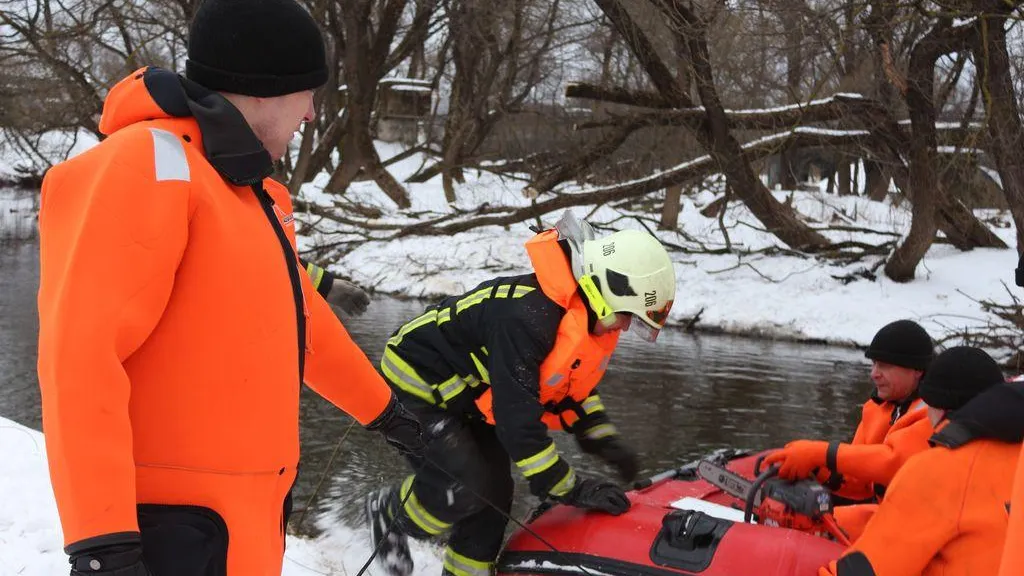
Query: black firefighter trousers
{"points": [[464, 465]]}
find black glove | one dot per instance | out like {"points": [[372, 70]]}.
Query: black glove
{"points": [[400, 429], [594, 494], [117, 560], [349, 297], [614, 452]]}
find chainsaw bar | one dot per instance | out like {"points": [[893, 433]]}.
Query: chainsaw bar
{"points": [[728, 481]]}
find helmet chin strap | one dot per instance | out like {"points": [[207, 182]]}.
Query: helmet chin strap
{"points": [[576, 232], [605, 314]]}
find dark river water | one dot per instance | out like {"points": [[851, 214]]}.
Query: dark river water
{"points": [[673, 401]]}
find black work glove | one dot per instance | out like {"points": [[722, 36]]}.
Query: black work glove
{"points": [[595, 494], [400, 429], [116, 560], [349, 297], [616, 453]]}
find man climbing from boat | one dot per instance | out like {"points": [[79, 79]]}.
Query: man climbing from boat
{"points": [[946, 512], [893, 428], [491, 371]]}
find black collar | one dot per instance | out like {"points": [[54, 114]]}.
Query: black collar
{"points": [[229, 143]]}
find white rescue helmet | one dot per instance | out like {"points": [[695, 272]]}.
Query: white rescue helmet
{"points": [[629, 272]]}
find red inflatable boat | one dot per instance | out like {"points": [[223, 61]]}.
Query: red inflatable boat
{"points": [[687, 521]]}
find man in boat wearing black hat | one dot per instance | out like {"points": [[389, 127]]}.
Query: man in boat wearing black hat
{"points": [[893, 428], [946, 511]]}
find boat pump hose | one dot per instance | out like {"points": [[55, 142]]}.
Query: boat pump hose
{"points": [[486, 501]]}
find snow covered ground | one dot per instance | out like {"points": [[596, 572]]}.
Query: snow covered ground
{"points": [[31, 540], [776, 295], [781, 295]]}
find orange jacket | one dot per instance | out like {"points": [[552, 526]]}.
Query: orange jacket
{"points": [[152, 360], [1013, 551], [576, 364], [945, 512], [888, 435]]}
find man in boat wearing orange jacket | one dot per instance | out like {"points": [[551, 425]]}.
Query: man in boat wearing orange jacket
{"points": [[1013, 552], [945, 512], [893, 428], [170, 399], [490, 372]]}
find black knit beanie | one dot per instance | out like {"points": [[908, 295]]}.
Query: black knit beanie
{"points": [[902, 343], [259, 48], [957, 375]]}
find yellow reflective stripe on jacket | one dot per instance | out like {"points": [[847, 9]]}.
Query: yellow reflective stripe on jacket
{"points": [[316, 274], [600, 431], [451, 387], [460, 565], [418, 514], [592, 404], [484, 374], [539, 462], [567, 483], [404, 376]]}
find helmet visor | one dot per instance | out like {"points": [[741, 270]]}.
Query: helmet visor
{"points": [[644, 330], [660, 315]]}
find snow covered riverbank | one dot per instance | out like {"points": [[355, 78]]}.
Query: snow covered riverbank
{"points": [[31, 540]]}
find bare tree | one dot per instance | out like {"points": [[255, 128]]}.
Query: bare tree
{"points": [[367, 45]]}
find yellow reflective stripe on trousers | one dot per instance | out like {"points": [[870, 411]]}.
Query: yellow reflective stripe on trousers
{"points": [[592, 404], [539, 462], [418, 514], [460, 565], [600, 431], [403, 375], [567, 483]]}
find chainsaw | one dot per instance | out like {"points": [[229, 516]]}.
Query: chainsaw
{"points": [[804, 505]]}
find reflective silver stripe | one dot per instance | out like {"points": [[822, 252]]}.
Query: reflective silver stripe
{"points": [[418, 513], [404, 380], [460, 565], [600, 431], [592, 404], [452, 387], [522, 291], [918, 405], [539, 462], [567, 483], [554, 379], [604, 362], [502, 291], [169, 157]]}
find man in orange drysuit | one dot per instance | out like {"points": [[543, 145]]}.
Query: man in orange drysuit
{"points": [[945, 512], [893, 428], [1013, 553], [170, 398]]}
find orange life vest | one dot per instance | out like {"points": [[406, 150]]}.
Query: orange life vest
{"points": [[578, 360]]}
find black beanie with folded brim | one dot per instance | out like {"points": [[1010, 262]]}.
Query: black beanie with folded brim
{"points": [[902, 343], [957, 375], [262, 48]]}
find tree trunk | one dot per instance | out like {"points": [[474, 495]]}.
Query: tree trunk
{"points": [[1006, 143], [923, 142], [843, 177], [670, 211], [877, 185], [779, 219]]}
